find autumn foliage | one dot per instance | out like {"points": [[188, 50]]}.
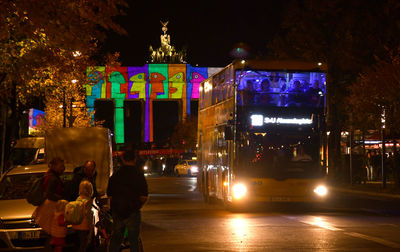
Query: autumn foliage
{"points": [[45, 48], [376, 92]]}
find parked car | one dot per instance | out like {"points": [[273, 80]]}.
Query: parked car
{"points": [[186, 167], [18, 231]]}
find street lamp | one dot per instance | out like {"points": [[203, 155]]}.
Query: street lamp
{"points": [[64, 107], [76, 53]]}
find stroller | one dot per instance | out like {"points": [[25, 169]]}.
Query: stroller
{"points": [[104, 229]]}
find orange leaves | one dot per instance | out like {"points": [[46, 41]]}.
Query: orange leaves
{"points": [[377, 89], [38, 39]]}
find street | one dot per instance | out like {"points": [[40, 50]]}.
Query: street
{"points": [[176, 219]]}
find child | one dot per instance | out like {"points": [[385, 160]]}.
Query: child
{"points": [[58, 227], [85, 229]]}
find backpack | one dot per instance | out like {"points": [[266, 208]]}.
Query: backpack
{"points": [[36, 192], [75, 211]]}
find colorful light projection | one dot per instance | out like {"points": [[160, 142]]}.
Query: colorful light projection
{"points": [[36, 117], [149, 82]]}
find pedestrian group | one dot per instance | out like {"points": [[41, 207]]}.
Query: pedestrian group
{"points": [[71, 204]]}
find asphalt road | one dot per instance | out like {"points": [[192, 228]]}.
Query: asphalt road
{"points": [[176, 219]]}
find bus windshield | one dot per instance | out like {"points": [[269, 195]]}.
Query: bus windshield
{"points": [[279, 155], [281, 89]]}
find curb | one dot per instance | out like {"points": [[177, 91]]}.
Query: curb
{"points": [[374, 194]]}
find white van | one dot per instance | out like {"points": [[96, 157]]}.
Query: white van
{"points": [[27, 150]]}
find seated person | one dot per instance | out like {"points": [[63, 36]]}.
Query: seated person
{"points": [[246, 95], [297, 96], [274, 80], [315, 94], [265, 96]]}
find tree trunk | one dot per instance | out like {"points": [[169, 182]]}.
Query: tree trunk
{"points": [[12, 126], [335, 159]]}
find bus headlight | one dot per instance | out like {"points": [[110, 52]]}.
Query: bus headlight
{"points": [[239, 191], [194, 169], [321, 191], [145, 168]]}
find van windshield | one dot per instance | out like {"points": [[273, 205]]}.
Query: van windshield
{"points": [[23, 156]]}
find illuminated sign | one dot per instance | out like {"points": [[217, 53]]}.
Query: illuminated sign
{"points": [[256, 120], [259, 120]]}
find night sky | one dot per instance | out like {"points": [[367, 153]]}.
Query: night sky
{"points": [[209, 30]]}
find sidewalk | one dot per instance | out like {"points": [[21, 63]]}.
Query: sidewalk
{"points": [[370, 188]]}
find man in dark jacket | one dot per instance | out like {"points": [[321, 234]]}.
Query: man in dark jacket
{"points": [[128, 191], [85, 172]]}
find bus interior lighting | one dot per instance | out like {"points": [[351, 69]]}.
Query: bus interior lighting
{"points": [[260, 133], [207, 86]]}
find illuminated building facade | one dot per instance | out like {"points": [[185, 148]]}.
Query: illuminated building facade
{"points": [[166, 78], [148, 83], [36, 117]]}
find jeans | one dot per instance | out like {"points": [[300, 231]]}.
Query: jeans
{"points": [[83, 236], [132, 223]]}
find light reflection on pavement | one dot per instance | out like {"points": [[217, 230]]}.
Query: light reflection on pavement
{"points": [[177, 219]]}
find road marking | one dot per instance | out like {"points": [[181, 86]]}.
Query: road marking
{"points": [[374, 239], [315, 221], [166, 194], [192, 188], [320, 222]]}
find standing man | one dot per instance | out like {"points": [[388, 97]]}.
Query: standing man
{"points": [[85, 172], [128, 192]]}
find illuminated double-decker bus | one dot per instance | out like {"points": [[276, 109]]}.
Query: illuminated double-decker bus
{"points": [[262, 133]]}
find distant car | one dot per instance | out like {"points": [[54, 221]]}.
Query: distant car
{"points": [[186, 167], [147, 167], [18, 231]]}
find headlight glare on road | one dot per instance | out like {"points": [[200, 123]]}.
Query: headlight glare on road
{"points": [[321, 190], [194, 169], [239, 191]]}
